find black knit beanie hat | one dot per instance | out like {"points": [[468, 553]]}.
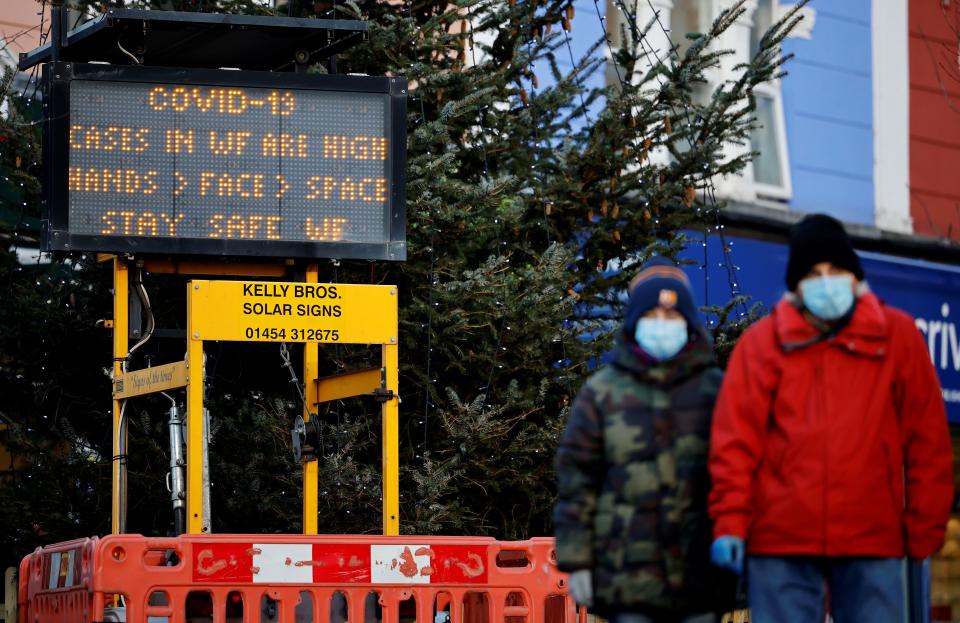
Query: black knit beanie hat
{"points": [[660, 283], [819, 238]]}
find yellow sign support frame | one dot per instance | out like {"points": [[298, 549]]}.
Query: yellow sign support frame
{"points": [[121, 343], [311, 369], [372, 320], [306, 312]]}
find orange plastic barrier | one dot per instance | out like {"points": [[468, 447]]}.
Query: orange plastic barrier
{"points": [[295, 579]]}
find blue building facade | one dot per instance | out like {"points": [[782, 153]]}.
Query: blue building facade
{"points": [[828, 111], [834, 139]]}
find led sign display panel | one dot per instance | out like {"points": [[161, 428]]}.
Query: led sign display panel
{"points": [[226, 162]]}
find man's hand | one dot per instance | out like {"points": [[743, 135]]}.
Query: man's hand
{"points": [[727, 553], [581, 587]]}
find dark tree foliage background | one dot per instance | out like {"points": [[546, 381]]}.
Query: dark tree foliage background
{"points": [[522, 187]]}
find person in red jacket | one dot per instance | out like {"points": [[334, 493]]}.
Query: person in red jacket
{"points": [[830, 454]]}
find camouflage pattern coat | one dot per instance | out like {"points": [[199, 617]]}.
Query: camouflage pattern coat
{"points": [[633, 483]]}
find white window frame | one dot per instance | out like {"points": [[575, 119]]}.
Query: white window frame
{"points": [[891, 115], [785, 190], [772, 90], [743, 187]]}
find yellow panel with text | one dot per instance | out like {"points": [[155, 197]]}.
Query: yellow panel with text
{"points": [[254, 311]]}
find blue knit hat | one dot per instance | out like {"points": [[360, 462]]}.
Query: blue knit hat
{"points": [[660, 283]]}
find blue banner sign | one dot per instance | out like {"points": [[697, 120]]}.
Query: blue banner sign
{"points": [[927, 291]]}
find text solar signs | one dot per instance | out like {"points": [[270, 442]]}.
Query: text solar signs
{"points": [[155, 160]]}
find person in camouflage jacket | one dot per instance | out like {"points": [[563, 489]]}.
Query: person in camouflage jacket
{"points": [[631, 518]]}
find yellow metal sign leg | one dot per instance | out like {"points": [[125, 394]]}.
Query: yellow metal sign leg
{"points": [[194, 421], [391, 442], [311, 371], [121, 284]]}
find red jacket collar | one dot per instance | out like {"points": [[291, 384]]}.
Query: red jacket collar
{"points": [[866, 333]]}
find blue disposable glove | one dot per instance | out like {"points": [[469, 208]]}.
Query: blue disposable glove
{"points": [[727, 553]]}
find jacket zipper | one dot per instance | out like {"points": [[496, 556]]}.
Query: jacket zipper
{"points": [[822, 422]]}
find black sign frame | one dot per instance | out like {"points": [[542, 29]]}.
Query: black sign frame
{"points": [[57, 235]]}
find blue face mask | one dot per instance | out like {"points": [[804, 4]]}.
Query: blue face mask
{"points": [[661, 338], [828, 298]]}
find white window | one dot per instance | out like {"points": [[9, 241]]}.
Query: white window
{"points": [[771, 170], [768, 176]]}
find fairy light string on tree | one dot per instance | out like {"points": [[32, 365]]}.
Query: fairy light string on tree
{"points": [[20, 162], [421, 447], [22, 223], [710, 189], [44, 35], [427, 394], [641, 144], [566, 25], [706, 180], [526, 104], [467, 39]]}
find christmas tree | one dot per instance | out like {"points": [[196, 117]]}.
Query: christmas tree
{"points": [[529, 198]]}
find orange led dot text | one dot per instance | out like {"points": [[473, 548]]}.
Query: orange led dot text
{"points": [[228, 101], [111, 138], [228, 143], [126, 181], [129, 223], [328, 229], [237, 226], [288, 145], [337, 147], [179, 141], [368, 189]]}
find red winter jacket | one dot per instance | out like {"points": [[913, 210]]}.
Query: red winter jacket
{"points": [[835, 448]]}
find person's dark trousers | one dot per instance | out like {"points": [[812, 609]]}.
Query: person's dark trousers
{"points": [[794, 589]]}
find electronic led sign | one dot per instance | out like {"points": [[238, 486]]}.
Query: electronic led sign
{"points": [[159, 160]]}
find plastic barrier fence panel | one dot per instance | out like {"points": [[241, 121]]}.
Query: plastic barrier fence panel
{"points": [[295, 579]]}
